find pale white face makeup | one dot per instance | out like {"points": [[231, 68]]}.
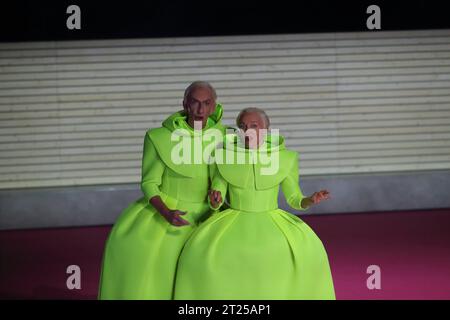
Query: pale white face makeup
{"points": [[253, 129], [199, 105]]}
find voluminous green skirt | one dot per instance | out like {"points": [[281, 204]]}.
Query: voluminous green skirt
{"points": [[262, 255], [142, 250]]}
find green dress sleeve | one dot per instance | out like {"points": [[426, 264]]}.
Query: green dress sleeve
{"points": [[218, 183], [291, 188], [152, 170]]}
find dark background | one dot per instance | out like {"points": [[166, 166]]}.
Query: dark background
{"points": [[46, 20]]}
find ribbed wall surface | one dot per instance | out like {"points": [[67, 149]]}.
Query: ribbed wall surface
{"points": [[75, 112]]}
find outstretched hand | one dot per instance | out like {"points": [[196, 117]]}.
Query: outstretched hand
{"points": [[317, 197], [215, 198]]}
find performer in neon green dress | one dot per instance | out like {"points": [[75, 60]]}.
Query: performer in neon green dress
{"points": [[144, 244], [254, 250]]}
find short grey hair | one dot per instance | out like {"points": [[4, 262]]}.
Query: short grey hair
{"points": [[199, 84], [259, 111]]}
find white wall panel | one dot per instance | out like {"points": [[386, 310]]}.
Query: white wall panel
{"points": [[75, 112]]}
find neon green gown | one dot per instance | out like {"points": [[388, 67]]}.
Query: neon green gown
{"points": [[253, 249], [142, 248]]}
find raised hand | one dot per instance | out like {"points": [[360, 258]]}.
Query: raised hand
{"points": [[316, 197], [215, 198]]}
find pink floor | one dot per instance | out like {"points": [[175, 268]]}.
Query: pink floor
{"points": [[411, 248]]}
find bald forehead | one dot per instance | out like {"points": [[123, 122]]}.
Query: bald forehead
{"points": [[195, 87], [204, 91], [252, 113]]}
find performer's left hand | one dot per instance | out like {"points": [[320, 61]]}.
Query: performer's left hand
{"points": [[215, 197], [316, 197]]}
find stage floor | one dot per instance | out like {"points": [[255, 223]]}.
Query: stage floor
{"points": [[411, 248]]}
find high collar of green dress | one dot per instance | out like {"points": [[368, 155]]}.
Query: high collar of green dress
{"points": [[166, 142], [178, 120], [271, 143], [261, 168]]}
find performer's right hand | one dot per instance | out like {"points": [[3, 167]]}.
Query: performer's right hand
{"points": [[215, 198], [174, 217]]}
